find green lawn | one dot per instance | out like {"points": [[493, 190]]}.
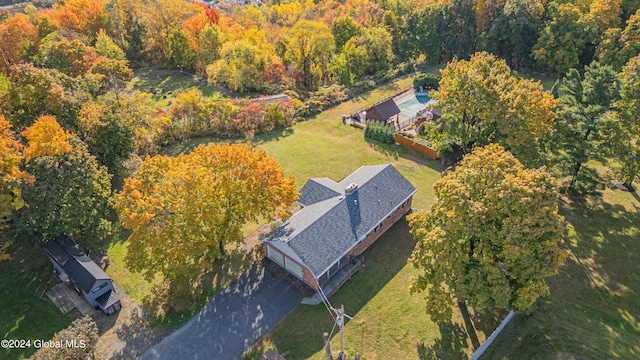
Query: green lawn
{"points": [[169, 83], [25, 311], [389, 323], [323, 147], [594, 308], [547, 81]]}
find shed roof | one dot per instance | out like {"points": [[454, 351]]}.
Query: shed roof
{"points": [[80, 268], [107, 299], [323, 232], [62, 248], [385, 109], [84, 272]]}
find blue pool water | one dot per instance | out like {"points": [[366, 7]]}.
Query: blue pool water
{"points": [[423, 99]]}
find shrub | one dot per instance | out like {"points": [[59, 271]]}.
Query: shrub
{"points": [[449, 152], [427, 81], [378, 131]]}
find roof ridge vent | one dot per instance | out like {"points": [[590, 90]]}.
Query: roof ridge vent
{"points": [[351, 188]]}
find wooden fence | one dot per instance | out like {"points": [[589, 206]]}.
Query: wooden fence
{"points": [[417, 147]]}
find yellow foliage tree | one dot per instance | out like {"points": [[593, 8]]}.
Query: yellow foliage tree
{"points": [[11, 178], [491, 238], [46, 138], [183, 210]]}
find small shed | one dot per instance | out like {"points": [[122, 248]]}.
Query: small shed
{"points": [[386, 111], [74, 266]]}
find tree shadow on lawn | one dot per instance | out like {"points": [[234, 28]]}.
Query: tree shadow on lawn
{"points": [[25, 310], [450, 345], [187, 146], [397, 151], [594, 308], [223, 272]]}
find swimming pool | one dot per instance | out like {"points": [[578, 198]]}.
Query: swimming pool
{"points": [[410, 104]]}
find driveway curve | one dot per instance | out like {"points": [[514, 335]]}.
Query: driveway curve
{"points": [[232, 322]]}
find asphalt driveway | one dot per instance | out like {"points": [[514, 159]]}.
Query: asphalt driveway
{"points": [[233, 321]]}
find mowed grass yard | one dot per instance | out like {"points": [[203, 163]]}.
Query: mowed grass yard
{"points": [[389, 323], [25, 311], [593, 311]]}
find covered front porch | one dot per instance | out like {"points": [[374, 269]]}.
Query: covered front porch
{"points": [[334, 278]]}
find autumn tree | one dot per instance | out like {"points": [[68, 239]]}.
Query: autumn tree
{"points": [[210, 42], [240, 66], [12, 178], [482, 103], [377, 43], [83, 331], [562, 41], [46, 138], [343, 29], [18, 41], [34, 91], [71, 193], [618, 46], [109, 136], [310, 47], [71, 57], [160, 19], [180, 54], [183, 210], [349, 65], [620, 130], [491, 238], [105, 46]]}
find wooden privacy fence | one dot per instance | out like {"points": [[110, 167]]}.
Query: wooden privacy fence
{"points": [[417, 147]]}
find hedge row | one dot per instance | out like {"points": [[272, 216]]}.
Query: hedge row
{"points": [[380, 132]]}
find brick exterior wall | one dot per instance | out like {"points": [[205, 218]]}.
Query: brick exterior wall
{"points": [[374, 235]]}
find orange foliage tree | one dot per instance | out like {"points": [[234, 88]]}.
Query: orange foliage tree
{"points": [[11, 178], [183, 210]]}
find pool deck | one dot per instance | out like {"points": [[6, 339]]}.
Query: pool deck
{"points": [[409, 104]]}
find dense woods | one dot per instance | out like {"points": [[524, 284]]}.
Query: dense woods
{"points": [[69, 122]]}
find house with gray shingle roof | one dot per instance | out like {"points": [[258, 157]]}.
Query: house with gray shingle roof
{"points": [[338, 222], [72, 265]]}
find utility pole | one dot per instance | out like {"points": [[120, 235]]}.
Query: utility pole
{"points": [[327, 346], [340, 315]]}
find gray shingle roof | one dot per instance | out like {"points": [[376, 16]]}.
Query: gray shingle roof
{"points": [[385, 109], [62, 248], [84, 272], [108, 299], [324, 231], [80, 268], [318, 189]]}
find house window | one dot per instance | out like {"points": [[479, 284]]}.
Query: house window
{"points": [[405, 203], [378, 227], [99, 287], [275, 255]]}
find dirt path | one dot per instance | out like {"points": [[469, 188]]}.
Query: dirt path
{"points": [[128, 333]]}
